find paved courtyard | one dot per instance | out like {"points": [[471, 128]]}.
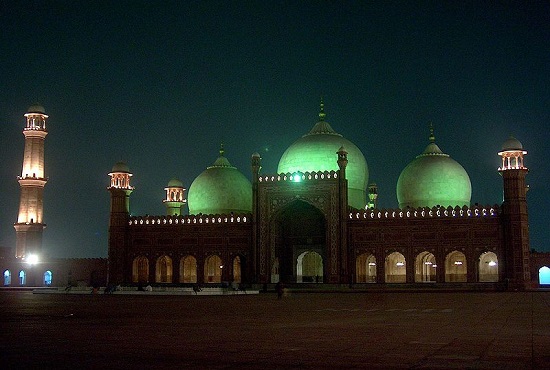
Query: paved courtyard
{"points": [[301, 331]]}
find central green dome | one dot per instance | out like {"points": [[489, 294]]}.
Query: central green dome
{"points": [[220, 189], [316, 151], [433, 179]]}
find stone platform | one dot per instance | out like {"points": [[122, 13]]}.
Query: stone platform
{"points": [[460, 330]]}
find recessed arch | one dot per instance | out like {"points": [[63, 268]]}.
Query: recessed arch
{"points": [[7, 278], [237, 269], [395, 268], [365, 268], [48, 278], [22, 277], [456, 267], [188, 269], [544, 275], [213, 269], [425, 268], [163, 270], [275, 270], [309, 268], [140, 270], [488, 267]]}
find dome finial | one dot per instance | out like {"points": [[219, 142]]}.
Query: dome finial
{"points": [[222, 150], [432, 137], [322, 114]]}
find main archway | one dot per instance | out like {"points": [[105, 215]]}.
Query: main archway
{"points": [[300, 233]]}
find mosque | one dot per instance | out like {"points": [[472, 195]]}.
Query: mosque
{"points": [[315, 222]]}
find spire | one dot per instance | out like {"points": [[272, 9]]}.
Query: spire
{"points": [[432, 137], [322, 114]]}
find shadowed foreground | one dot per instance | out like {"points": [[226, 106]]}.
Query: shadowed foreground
{"points": [[316, 331]]}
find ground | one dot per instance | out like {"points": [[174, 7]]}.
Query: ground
{"points": [[302, 331]]}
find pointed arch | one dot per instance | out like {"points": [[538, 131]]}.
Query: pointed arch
{"points": [[309, 268], [48, 278], [365, 268], [425, 268], [163, 270], [140, 270], [488, 267], [237, 269], [275, 270], [188, 269], [395, 268], [7, 278], [544, 275], [22, 277], [213, 269], [456, 267]]}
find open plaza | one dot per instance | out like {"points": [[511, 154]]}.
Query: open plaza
{"points": [[374, 330]]}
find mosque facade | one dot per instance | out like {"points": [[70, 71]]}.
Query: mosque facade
{"points": [[316, 221]]}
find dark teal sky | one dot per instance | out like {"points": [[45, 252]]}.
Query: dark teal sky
{"points": [[159, 84]]}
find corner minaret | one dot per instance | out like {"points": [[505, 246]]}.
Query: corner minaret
{"points": [[515, 216], [29, 226], [175, 197], [120, 190]]}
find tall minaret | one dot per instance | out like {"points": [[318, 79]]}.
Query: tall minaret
{"points": [[514, 213], [29, 225], [120, 190]]}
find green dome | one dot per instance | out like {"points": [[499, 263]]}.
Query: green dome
{"points": [[175, 183], [120, 167], [36, 108], [220, 189], [433, 179], [316, 151]]}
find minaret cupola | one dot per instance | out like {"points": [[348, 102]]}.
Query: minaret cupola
{"points": [[175, 197]]}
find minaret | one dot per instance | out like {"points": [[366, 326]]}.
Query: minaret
{"points": [[120, 190], [175, 197], [514, 213], [29, 226]]}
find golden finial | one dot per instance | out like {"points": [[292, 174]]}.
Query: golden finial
{"points": [[222, 151], [432, 137]]}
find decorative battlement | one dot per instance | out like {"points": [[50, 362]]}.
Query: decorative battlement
{"points": [[189, 220], [299, 176], [435, 212]]}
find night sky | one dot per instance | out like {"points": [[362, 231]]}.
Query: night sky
{"points": [[160, 84]]}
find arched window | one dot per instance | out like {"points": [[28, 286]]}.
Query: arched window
{"points": [[237, 269], [425, 268], [140, 270], [188, 270], [455, 267], [48, 278], [488, 267], [365, 268], [163, 270], [22, 277], [7, 278], [395, 268], [544, 275], [213, 269], [309, 268]]}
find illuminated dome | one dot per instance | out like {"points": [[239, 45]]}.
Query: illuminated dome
{"points": [[433, 178], [316, 151], [512, 144], [220, 189], [120, 167], [36, 108], [175, 183]]}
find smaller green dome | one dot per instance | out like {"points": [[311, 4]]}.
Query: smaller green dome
{"points": [[36, 108], [121, 167], [512, 144], [220, 189], [175, 183], [433, 179]]}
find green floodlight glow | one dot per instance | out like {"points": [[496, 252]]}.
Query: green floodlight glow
{"points": [[297, 177]]}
